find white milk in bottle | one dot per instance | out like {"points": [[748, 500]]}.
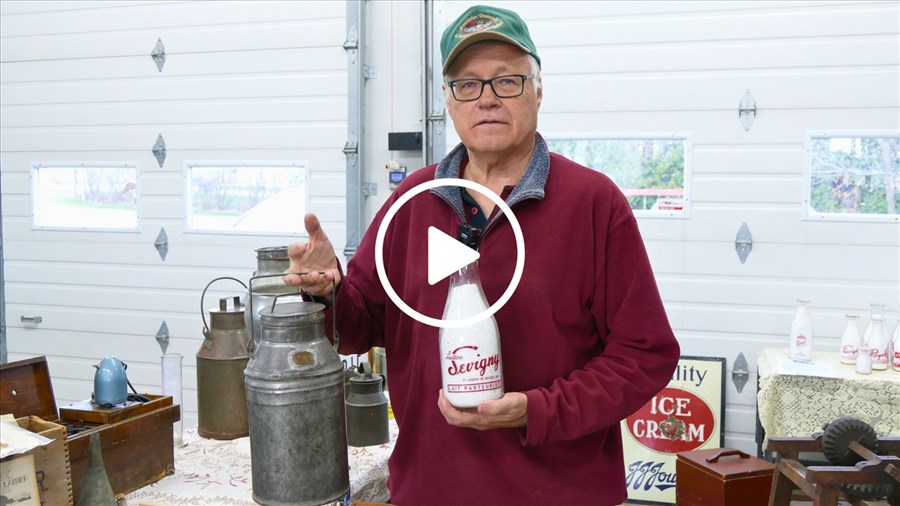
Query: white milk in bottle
{"points": [[800, 347], [471, 366]]}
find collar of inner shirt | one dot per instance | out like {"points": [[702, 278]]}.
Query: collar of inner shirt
{"points": [[474, 214]]}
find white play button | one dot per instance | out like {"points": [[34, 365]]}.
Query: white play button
{"points": [[446, 255]]}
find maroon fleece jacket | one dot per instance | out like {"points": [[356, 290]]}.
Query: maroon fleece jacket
{"points": [[585, 337]]}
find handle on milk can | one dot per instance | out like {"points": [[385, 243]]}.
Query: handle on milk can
{"points": [[202, 310], [334, 332], [727, 453]]}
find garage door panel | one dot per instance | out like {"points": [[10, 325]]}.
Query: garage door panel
{"points": [[178, 41], [742, 55], [809, 263], [155, 278], [723, 87], [222, 112], [130, 328], [117, 67], [208, 137], [157, 17], [162, 89], [617, 23], [768, 224], [742, 161], [785, 129], [836, 297], [761, 321]]}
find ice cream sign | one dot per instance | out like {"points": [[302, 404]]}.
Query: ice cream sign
{"points": [[685, 415], [674, 420]]}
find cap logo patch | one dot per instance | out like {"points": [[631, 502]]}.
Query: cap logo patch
{"points": [[478, 23]]}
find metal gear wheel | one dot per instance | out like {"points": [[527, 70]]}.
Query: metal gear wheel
{"points": [[867, 490], [838, 435]]}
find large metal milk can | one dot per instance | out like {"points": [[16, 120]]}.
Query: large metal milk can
{"points": [[295, 396], [223, 356], [265, 286]]}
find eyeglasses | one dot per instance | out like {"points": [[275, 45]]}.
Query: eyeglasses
{"points": [[468, 90]]}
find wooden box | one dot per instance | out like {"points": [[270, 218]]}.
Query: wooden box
{"points": [[137, 443], [722, 476], [51, 461]]}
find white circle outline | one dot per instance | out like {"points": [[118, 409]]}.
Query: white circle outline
{"points": [[436, 322]]}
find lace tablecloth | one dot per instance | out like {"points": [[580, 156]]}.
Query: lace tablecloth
{"points": [[210, 472], [796, 399]]}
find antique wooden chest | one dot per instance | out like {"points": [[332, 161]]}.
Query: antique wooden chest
{"points": [[722, 477], [137, 442]]}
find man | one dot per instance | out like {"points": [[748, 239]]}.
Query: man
{"points": [[585, 340]]}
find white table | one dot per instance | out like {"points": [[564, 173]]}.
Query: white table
{"points": [[210, 472], [796, 398]]}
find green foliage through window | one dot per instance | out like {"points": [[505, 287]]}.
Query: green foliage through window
{"points": [[85, 196], [650, 172], [854, 175], [246, 197]]}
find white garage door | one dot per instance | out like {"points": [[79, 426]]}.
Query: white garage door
{"points": [[244, 84]]}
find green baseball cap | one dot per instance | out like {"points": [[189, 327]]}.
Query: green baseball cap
{"points": [[481, 23]]}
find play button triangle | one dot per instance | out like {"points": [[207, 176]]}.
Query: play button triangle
{"points": [[446, 255]]}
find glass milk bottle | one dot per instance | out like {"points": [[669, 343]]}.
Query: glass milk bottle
{"points": [[878, 343], [864, 360], [850, 340], [895, 347], [875, 310], [471, 368], [800, 347]]}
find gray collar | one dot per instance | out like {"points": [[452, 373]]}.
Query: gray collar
{"points": [[531, 185]]}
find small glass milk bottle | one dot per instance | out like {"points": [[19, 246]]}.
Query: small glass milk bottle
{"points": [[850, 340], [471, 367], [864, 360], [800, 347]]}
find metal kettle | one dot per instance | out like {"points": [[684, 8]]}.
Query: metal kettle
{"points": [[367, 409], [110, 382]]}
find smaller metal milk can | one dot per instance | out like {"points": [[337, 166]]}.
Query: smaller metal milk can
{"points": [[295, 397], [367, 409], [266, 284], [223, 356]]}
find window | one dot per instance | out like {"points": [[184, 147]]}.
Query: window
{"points": [[246, 197], [85, 196], [853, 177], [651, 171]]}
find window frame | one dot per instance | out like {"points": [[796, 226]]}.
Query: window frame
{"points": [[188, 165], [806, 211], [685, 212], [33, 185]]}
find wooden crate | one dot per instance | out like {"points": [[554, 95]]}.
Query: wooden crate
{"points": [[137, 450], [51, 461], [722, 476]]}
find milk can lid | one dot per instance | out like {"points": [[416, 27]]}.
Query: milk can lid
{"points": [[272, 253], [292, 312]]}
